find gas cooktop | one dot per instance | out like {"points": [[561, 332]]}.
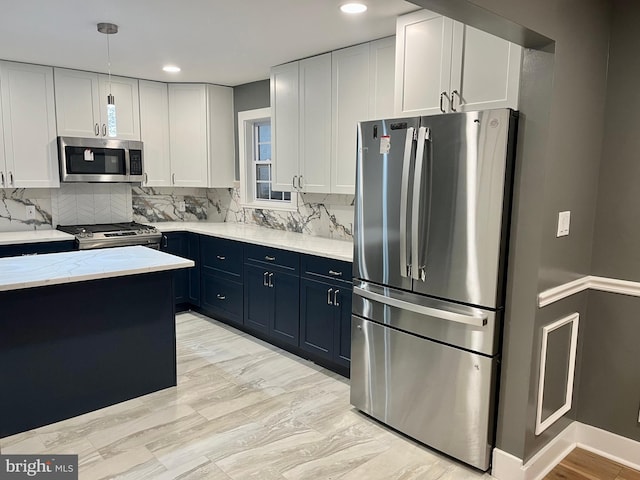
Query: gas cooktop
{"points": [[113, 235]]}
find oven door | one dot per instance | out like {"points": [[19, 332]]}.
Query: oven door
{"points": [[93, 160]]}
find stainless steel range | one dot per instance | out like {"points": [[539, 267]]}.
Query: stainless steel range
{"points": [[108, 235]]}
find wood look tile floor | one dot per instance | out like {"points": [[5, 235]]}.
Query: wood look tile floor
{"points": [[242, 409], [584, 465]]}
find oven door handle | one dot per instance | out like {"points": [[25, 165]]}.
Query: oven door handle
{"points": [[432, 312]]}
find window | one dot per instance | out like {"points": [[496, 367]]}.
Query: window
{"points": [[256, 168]]}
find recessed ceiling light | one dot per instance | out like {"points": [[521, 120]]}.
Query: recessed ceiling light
{"points": [[353, 8], [171, 68]]}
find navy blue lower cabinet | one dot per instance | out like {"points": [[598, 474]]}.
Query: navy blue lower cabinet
{"points": [[175, 243], [284, 322], [36, 248], [221, 298], [258, 298], [325, 320]]}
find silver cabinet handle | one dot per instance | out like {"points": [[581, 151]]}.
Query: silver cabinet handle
{"points": [[300, 182], [104, 129], [221, 257], [329, 296], [405, 266], [443, 95], [165, 241], [264, 279], [173, 178], [146, 178], [271, 280], [430, 311], [335, 298], [293, 181], [2, 178], [11, 182], [335, 274], [96, 129], [271, 259], [221, 297], [453, 95]]}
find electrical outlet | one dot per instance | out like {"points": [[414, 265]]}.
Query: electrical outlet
{"points": [[182, 207], [31, 212]]}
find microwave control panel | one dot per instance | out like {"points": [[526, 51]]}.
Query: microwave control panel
{"points": [[135, 162]]}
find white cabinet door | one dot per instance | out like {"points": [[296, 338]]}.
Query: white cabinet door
{"points": [[28, 118], [488, 70], [350, 100], [154, 133], [284, 125], [423, 63], [315, 124], [221, 136], [77, 103], [381, 78], [125, 92], [188, 135]]}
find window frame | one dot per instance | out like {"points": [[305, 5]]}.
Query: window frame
{"points": [[247, 142]]}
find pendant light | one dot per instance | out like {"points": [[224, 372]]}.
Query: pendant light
{"points": [[110, 29]]}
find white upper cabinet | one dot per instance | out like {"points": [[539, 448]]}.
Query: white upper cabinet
{"points": [[444, 66], [350, 89], [201, 135], [301, 124], [29, 157], [285, 112], [381, 78], [154, 133], [81, 104]]}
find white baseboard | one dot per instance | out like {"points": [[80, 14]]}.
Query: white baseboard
{"points": [[609, 445]]}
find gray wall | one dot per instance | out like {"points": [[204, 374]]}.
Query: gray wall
{"points": [[248, 97], [609, 395], [558, 173]]}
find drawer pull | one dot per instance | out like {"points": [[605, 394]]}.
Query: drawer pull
{"points": [[329, 296], [271, 259], [335, 274], [335, 298], [221, 257], [221, 297]]}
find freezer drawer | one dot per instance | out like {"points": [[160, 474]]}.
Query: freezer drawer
{"points": [[437, 394]]}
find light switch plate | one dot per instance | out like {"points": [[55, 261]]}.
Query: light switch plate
{"points": [[182, 207], [564, 219]]}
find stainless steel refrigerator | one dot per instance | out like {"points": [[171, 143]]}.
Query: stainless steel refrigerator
{"points": [[432, 212]]}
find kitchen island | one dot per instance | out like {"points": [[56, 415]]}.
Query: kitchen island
{"points": [[83, 330]]}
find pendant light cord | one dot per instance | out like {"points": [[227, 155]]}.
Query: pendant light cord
{"points": [[109, 63]]}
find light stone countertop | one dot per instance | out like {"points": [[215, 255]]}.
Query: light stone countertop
{"points": [[67, 267], [33, 236], [268, 237]]}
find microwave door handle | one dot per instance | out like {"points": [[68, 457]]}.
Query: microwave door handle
{"points": [[418, 271], [405, 267]]}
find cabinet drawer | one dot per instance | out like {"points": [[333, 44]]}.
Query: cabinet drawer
{"points": [[221, 254], [326, 268], [221, 298], [274, 257]]}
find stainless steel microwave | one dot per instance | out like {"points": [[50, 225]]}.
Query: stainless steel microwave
{"points": [[100, 160]]}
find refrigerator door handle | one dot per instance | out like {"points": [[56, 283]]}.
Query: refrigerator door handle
{"points": [[417, 270], [405, 266], [475, 321]]}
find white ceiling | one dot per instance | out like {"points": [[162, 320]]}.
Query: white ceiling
{"points": [[228, 42]]}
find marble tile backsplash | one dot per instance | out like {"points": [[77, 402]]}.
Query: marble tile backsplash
{"points": [[319, 215], [13, 209]]}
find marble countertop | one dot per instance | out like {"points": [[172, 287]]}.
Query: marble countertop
{"points": [[297, 242], [67, 267], [33, 236]]}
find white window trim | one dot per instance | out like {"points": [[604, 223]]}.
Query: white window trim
{"points": [[246, 121]]}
